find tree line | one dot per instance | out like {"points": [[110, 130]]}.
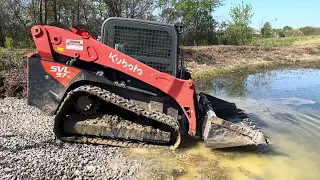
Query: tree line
{"points": [[267, 31], [200, 27]]}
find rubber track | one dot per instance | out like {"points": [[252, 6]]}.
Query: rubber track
{"points": [[125, 104], [115, 124]]}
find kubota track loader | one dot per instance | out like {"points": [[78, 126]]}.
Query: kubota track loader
{"points": [[130, 90]]}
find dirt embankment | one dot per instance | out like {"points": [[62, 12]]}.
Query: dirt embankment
{"points": [[210, 58], [13, 82], [13, 75]]}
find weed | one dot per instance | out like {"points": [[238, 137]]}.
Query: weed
{"points": [[8, 42]]}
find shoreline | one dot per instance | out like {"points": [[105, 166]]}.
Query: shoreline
{"points": [[215, 61], [212, 72]]}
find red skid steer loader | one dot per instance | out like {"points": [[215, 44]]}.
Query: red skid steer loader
{"points": [[130, 89]]}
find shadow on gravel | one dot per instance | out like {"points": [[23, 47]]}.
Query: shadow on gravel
{"points": [[7, 136], [33, 146]]}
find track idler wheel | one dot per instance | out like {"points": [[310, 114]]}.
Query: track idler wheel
{"points": [[86, 105]]}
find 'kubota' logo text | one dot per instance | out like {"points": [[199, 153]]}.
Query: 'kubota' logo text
{"points": [[134, 68], [60, 71]]}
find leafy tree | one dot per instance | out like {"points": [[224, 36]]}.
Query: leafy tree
{"points": [[282, 34], [287, 28], [308, 30], [140, 9], [196, 17], [267, 31], [239, 31], [18, 16], [220, 33], [200, 28]]}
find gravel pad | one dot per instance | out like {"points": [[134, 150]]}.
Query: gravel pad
{"points": [[28, 150]]}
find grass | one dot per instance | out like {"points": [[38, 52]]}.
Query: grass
{"points": [[282, 42]]}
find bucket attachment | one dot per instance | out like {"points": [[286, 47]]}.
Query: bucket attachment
{"points": [[226, 126]]}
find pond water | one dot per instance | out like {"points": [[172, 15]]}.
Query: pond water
{"points": [[286, 106]]}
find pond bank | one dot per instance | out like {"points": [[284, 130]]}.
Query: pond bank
{"points": [[203, 77], [213, 61]]}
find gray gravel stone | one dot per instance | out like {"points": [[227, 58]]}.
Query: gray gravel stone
{"points": [[28, 150]]}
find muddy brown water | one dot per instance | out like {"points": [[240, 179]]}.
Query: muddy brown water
{"points": [[284, 103]]}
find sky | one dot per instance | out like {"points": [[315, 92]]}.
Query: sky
{"points": [[280, 13]]}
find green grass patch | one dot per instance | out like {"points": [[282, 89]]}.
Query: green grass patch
{"points": [[281, 42], [218, 72], [201, 78]]}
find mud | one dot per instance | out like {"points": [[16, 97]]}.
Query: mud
{"points": [[194, 162]]}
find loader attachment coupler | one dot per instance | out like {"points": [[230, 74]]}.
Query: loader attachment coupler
{"points": [[226, 126]]}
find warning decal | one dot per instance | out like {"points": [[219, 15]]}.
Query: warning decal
{"points": [[74, 44]]}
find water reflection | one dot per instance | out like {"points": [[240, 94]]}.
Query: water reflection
{"points": [[231, 86], [297, 84]]}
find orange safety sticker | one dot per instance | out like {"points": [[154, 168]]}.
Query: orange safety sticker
{"points": [[62, 73]]}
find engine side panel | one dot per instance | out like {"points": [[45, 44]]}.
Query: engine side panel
{"points": [[48, 82]]}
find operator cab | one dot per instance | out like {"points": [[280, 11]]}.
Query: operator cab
{"points": [[152, 43]]}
